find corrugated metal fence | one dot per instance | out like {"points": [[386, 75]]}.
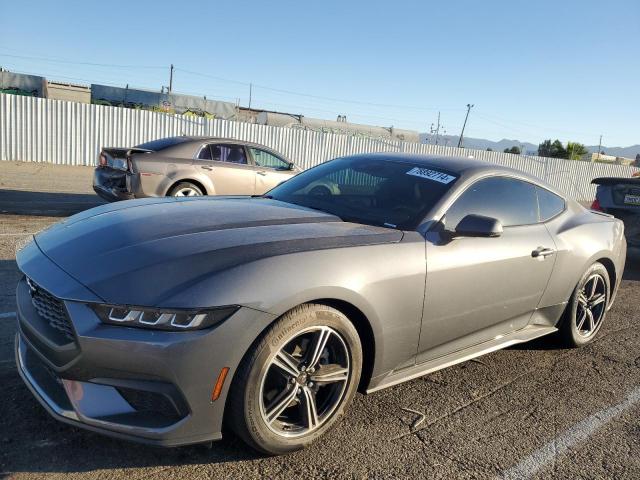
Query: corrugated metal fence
{"points": [[43, 130]]}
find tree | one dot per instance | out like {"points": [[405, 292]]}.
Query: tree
{"points": [[515, 150], [575, 151], [551, 149]]}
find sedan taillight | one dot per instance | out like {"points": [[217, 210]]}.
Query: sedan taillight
{"points": [[103, 160], [596, 206]]}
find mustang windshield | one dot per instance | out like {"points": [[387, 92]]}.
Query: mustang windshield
{"points": [[372, 191]]}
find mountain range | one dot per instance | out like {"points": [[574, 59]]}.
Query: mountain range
{"points": [[525, 147]]}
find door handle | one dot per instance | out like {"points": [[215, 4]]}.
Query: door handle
{"points": [[206, 167], [542, 252], [262, 173]]}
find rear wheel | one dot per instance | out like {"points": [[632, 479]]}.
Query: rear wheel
{"points": [[296, 381], [186, 189], [587, 308]]}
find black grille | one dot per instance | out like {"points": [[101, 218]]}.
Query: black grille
{"points": [[51, 309], [149, 402]]}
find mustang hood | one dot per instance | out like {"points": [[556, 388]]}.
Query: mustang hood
{"points": [[159, 247]]}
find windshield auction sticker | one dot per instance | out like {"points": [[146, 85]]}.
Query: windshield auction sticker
{"points": [[431, 175]]}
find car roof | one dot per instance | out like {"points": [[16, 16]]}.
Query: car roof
{"points": [[465, 167], [191, 140], [199, 139], [616, 181]]}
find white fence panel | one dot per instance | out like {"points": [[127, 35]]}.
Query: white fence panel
{"points": [[67, 133]]}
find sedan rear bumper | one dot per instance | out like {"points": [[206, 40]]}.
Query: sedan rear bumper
{"points": [[112, 185]]}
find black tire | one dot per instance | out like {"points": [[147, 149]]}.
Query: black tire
{"points": [[186, 186], [570, 334], [245, 413]]}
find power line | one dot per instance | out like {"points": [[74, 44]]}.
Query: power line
{"points": [[238, 82], [52, 60], [276, 104], [213, 77], [64, 77], [530, 125], [318, 97]]}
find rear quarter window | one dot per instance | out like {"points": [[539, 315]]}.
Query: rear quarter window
{"points": [[549, 204]]}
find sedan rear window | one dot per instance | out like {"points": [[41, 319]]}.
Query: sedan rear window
{"points": [[162, 143], [371, 191]]}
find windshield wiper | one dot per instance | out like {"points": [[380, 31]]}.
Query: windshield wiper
{"points": [[268, 197]]}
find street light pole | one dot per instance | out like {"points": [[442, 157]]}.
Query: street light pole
{"points": [[469, 107]]}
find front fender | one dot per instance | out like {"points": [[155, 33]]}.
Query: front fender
{"points": [[385, 282]]}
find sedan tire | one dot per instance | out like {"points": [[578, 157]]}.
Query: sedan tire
{"points": [[587, 307], [296, 381], [186, 189]]}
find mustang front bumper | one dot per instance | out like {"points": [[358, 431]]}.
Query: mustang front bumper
{"points": [[144, 385]]}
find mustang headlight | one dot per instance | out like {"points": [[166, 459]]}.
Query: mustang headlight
{"points": [[163, 319]]}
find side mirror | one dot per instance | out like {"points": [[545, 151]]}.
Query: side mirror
{"points": [[479, 226], [292, 166]]}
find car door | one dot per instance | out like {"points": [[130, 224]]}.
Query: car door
{"points": [[227, 165], [479, 288], [270, 169]]}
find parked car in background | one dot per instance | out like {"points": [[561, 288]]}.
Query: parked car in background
{"points": [[189, 166], [620, 197], [164, 320]]}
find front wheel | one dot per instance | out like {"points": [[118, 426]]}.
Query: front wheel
{"points": [[297, 380], [587, 308]]}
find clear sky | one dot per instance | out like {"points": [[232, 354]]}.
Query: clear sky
{"points": [[534, 69]]}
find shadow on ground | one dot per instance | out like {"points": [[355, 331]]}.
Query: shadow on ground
{"points": [[54, 204]]}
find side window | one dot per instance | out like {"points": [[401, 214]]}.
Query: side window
{"points": [[266, 159], [549, 203], [511, 201], [228, 153], [205, 153]]}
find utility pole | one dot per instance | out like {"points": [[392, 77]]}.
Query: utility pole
{"points": [[599, 148], [171, 79], [435, 131], [250, 92], [438, 128], [469, 107]]}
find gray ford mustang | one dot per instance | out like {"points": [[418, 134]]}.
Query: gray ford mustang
{"points": [[163, 320]]}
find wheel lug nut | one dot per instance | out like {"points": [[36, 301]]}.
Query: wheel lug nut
{"points": [[310, 384], [303, 368]]}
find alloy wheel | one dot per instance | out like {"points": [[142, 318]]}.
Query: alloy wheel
{"points": [[305, 381], [592, 302], [186, 192]]}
